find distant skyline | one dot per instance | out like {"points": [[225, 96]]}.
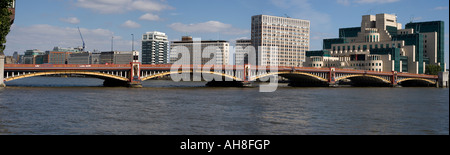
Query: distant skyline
{"points": [[44, 24]]}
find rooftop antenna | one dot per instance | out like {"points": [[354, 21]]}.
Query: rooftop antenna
{"points": [[132, 42], [112, 43]]}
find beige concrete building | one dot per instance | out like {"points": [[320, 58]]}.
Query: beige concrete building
{"points": [[217, 49], [380, 44], [291, 37]]}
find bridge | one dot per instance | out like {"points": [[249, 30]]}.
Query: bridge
{"points": [[134, 73]]}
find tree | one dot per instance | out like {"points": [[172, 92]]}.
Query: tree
{"points": [[432, 69], [5, 22]]}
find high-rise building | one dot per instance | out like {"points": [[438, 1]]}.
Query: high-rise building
{"points": [[241, 51], [155, 48], [290, 36], [380, 44], [219, 48]]}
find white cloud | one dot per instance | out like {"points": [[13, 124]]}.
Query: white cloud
{"points": [[148, 6], [344, 2], [208, 27], [121, 6], [441, 8], [45, 37], [149, 17], [131, 24], [302, 9], [71, 20], [375, 1], [349, 2]]}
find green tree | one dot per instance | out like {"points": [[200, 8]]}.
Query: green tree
{"points": [[5, 22], [432, 69]]}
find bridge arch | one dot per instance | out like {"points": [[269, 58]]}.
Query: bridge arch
{"points": [[287, 73], [366, 80], [363, 75], [298, 79], [190, 71], [92, 74], [415, 82]]}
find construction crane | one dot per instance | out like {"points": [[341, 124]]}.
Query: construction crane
{"points": [[82, 40]]}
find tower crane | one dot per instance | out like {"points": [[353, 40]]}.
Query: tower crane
{"points": [[81, 40]]}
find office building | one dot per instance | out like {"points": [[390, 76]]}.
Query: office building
{"points": [[61, 55], [116, 57], [380, 44], [290, 36], [80, 58], [219, 49], [433, 38], [31, 56], [155, 48]]}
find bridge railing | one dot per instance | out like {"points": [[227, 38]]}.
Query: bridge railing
{"points": [[418, 75], [234, 67], [66, 65]]}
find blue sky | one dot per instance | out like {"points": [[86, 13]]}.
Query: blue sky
{"points": [[43, 24]]}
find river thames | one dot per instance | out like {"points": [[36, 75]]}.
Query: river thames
{"points": [[55, 105]]}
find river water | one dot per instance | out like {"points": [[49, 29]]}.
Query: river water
{"points": [[54, 105]]}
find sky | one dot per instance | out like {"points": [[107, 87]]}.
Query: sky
{"points": [[44, 24]]}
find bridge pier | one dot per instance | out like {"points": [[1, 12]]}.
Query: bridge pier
{"points": [[214, 83], [443, 79], [2, 70], [134, 84]]}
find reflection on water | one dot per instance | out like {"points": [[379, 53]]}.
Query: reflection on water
{"points": [[51, 105]]}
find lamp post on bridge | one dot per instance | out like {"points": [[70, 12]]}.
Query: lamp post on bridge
{"points": [[2, 68]]}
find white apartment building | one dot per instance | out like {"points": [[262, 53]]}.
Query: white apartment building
{"points": [[155, 48], [290, 36], [198, 51], [241, 53]]}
